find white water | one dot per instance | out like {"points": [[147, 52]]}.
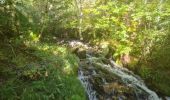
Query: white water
{"points": [[132, 80], [126, 76], [88, 87]]}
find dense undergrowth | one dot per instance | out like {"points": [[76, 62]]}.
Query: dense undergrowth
{"points": [[39, 71]]}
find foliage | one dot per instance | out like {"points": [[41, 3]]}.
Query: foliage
{"points": [[32, 63], [20, 17], [124, 24]]}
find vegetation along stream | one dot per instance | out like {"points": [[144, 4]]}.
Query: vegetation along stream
{"points": [[84, 49]]}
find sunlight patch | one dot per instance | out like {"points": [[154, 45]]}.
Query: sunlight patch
{"points": [[67, 69]]}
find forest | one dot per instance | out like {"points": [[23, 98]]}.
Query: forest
{"points": [[46, 46]]}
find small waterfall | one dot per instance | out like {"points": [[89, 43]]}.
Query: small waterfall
{"points": [[111, 81], [88, 87], [126, 76]]}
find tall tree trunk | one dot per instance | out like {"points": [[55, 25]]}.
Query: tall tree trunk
{"points": [[80, 16]]}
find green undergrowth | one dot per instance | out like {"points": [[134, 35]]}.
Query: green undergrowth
{"points": [[39, 71], [155, 78]]}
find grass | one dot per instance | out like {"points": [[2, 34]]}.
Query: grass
{"points": [[39, 71]]}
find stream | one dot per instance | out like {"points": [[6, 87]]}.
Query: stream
{"points": [[103, 79]]}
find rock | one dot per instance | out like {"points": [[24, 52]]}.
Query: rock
{"points": [[81, 53], [103, 48], [106, 50]]}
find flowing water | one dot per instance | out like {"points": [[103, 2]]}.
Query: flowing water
{"points": [[109, 81]]}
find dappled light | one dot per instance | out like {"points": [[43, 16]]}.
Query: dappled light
{"points": [[84, 49]]}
